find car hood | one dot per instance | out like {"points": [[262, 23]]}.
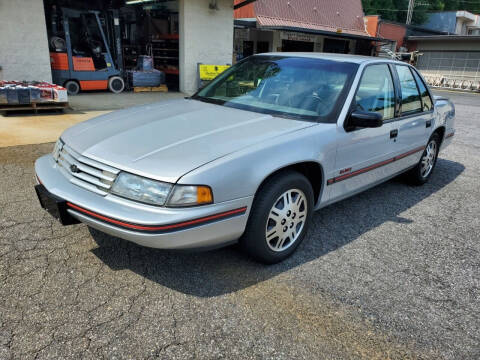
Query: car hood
{"points": [[166, 140]]}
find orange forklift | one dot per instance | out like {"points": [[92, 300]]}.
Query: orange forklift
{"points": [[80, 56]]}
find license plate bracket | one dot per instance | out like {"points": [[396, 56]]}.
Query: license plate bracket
{"points": [[54, 205]]}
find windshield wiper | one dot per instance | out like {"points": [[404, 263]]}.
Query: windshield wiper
{"points": [[208, 100]]}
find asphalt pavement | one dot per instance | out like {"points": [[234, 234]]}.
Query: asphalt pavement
{"points": [[393, 273]]}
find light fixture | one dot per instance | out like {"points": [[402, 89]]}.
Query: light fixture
{"points": [[133, 2], [213, 5]]}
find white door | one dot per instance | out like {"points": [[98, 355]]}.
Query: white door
{"points": [[415, 119], [364, 154]]}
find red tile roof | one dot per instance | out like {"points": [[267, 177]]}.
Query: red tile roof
{"points": [[246, 11], [327, 15]]}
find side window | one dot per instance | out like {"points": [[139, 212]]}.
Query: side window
{"points": [[426, 100], [410, 97], [375, 92]]}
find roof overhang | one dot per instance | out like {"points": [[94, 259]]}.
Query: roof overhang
{"points": [[445, 38], [466, 15], [245, 23], [343, 35]]}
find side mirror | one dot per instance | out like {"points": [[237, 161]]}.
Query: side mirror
{"points": [[366, 119]]}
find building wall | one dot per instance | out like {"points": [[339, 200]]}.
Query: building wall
{"points": [[275, 38], [371, 24], [450, 59], [24, 51], [456, 45], [394, 32], [206, 36]]}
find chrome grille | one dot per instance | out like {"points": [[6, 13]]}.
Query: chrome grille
{"points": [[84, 172]]}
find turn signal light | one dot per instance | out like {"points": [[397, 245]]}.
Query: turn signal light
{"points": [[204, 195]]}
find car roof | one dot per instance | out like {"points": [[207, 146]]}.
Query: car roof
{"points": [[358, 59]]}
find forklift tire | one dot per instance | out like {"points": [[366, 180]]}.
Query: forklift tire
{"points": [[116, 84], [73, 88]]}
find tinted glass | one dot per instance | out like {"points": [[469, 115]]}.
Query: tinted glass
{"points": [[293, 87], [375, 92], [426, 100], [410, 96]]}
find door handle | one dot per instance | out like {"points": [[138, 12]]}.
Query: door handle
{"points": [[393, 134], [429, 123]]}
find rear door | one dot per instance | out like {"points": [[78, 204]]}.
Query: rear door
{"points": [[414, 123], [364, 154]]}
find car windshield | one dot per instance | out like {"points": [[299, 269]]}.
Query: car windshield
{"points": [[292, 87]]}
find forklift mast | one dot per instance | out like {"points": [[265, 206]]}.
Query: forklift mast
{"points": [[113, 21]]}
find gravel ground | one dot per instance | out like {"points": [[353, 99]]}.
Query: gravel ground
{"points": [[391, 273]]}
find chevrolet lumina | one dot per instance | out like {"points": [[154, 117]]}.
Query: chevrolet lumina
{"points": [[249, 157]]}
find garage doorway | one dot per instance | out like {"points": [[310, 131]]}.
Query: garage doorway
{"points": [[336, 46], [247, 48], [131, 28], [262, 47]]}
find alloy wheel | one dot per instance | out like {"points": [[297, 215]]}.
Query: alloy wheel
{"points": [[428, 159], [286, 220]]}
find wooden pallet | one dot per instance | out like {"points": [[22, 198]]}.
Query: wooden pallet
{"points": [[35, 107], [161, 88]]}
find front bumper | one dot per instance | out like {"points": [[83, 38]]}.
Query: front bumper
{"points": [[158, 227]]}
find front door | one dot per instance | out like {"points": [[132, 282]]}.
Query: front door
{"points": [[416, 117], [364, 154]]}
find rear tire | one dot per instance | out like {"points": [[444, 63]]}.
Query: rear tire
{"points": [[116, 84], [73, 88], [279, 219], [420, 174]]}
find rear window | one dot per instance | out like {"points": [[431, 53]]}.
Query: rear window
{"points": [[411, 102], [426, 99]]}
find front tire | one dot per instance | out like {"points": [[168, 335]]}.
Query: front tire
{"points": [[420, 174], [279, 219], [73, 88], [116, 84]]}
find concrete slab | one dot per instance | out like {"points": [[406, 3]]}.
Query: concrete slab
{"points": [[38, 129]]}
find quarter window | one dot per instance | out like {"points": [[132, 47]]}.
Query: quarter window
{"points": [[375, 92], [410, 97], [426, 100]]}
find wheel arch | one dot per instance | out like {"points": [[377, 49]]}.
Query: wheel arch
{"points": [[74, 80], [312, 170], [441, 132]]}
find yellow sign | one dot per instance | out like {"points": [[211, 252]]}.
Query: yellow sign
{"points": [[210, 72]]}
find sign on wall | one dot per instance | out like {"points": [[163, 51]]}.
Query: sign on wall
{"points": [[210, 72], [288, 35]]}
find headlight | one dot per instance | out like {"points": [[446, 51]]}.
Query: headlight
{"points": [[189, 195], [57, 148], [141, 189]]}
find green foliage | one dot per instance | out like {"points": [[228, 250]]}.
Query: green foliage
{"points": [[396, 10]]}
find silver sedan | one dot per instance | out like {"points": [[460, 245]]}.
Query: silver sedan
{"points": [[251, 156]]}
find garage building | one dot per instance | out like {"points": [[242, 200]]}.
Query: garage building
{"points": [[334, 26], [449, 60]]}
